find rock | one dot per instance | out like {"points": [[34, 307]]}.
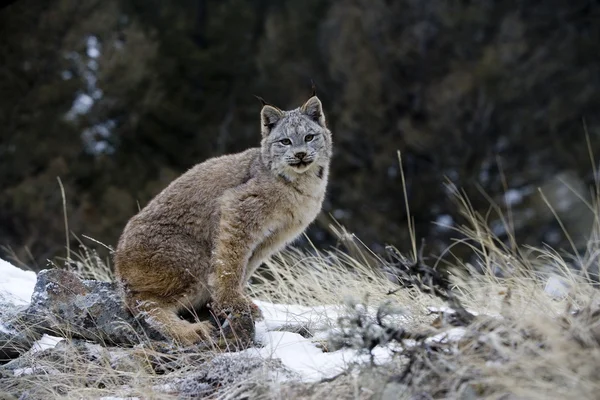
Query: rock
{"points": [[14, 338], [13, 344], [75, 351], [65, 305], [224, 371]]}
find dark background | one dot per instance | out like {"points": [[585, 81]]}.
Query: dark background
{"points": [[119, 97]]}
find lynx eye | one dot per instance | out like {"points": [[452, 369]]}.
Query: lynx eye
{"points": [[286, 142], [309, 138]]}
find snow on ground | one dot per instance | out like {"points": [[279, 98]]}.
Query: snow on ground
{"points": [[16, 288], [451, 335], [306, 359], [304, 356], [281, 315], [23, 371], [556, 287], [46, 342], [16, 285]]}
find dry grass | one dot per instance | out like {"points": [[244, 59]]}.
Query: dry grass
{"points": [[334, 278], [533, 345], [524, 343]]}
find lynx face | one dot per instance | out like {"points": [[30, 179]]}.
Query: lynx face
{"points": [[296, 141]]}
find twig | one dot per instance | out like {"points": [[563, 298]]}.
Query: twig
{"points": [[64, 203]]}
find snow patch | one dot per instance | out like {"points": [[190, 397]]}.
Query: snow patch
{"points": [[46, 342], [444, 222], [556, 287], [93, 47], [4, 329], [513, 197], [16, 285], [305, 357], [451, 335], [280, 315], [24, 371]]}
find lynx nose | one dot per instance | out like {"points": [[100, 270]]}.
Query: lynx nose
{"points": [[300, 155]]}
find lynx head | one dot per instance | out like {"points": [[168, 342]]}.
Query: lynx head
{"points": [[297, 141]]}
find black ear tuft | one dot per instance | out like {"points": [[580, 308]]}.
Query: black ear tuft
{"points": [[262, 101]]}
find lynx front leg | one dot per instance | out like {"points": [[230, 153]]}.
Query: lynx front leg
{"points": [[246, 220]]}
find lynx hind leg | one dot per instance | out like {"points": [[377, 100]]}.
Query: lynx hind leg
{"points": [[165, 319]]}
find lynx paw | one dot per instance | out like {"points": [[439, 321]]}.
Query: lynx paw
{"points": [[190, 334], [236, 322]]}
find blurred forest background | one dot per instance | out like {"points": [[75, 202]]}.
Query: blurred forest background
{"points": [[119, 97]]}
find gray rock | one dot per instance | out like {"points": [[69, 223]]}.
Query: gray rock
{"points": [[65, 305], [14, 338], [13, 344], [223, 371], [80, 352]]}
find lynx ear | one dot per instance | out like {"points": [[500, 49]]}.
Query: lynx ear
{"points": [[314, 109], [269, 116]]}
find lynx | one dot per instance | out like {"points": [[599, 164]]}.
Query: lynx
{"points": [[198, 241]]}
